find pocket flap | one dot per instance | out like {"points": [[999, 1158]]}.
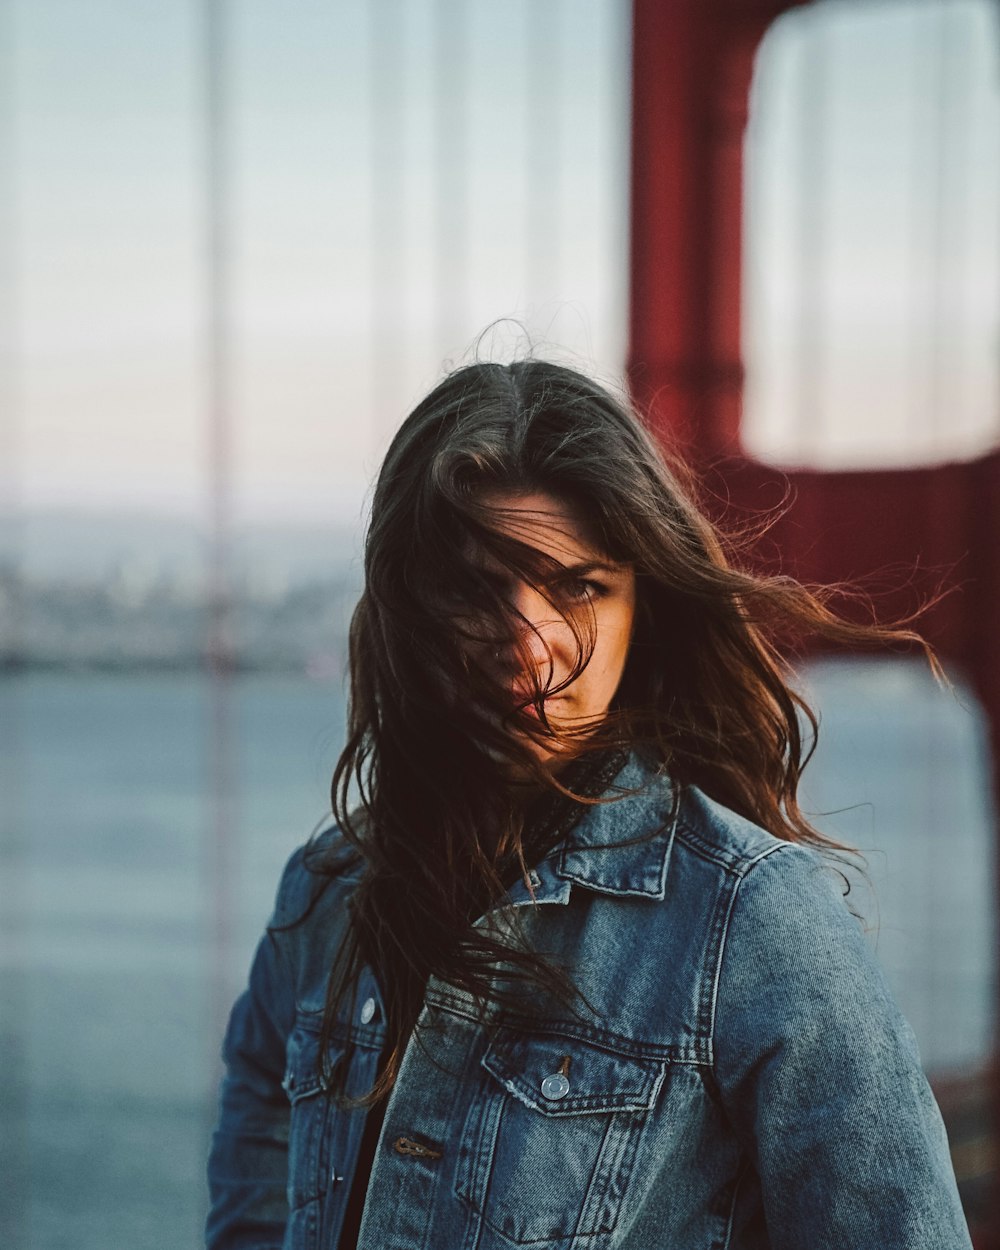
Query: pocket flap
{"points": [[301, 1078], [564, 1076]]}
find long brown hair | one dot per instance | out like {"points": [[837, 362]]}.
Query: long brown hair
{"points": [[422, 791]]}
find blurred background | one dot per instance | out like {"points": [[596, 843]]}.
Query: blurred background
{"points": [[238, 241]]}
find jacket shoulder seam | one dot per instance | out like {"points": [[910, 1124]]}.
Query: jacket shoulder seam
{"points": [[733, 862], [718, 937]]}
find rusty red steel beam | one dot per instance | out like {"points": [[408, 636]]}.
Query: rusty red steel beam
{"points": [[692, 69], [898, 533], [692, 66]]}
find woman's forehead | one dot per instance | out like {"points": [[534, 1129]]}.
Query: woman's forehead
{"points": [[544, 521]]}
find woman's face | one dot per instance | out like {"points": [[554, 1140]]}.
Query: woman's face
{"points": [[590, 590]]}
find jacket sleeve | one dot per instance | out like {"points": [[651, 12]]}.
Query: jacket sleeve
{"points": [[248, 1161], [820, 1074]]}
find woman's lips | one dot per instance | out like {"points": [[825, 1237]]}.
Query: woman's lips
{"points": [[525, 702]]}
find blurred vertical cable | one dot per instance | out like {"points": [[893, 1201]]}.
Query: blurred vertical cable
{"points": [[813, 242], [387, 173], [451, 51], [220, 656], [15, 1164], [935, 199], [543, 48]]}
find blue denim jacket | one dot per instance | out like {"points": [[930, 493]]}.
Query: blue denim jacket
{"points": [[741, 1078]]}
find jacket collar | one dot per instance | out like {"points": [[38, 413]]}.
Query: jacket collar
{"points": [[593, 855]]}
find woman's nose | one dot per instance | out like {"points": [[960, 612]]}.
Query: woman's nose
{"points": [[537, 623]]}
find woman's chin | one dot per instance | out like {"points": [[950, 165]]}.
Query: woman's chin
{"points": [[552, 743], [557, 745]]}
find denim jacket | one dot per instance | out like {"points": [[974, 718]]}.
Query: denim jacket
{"points": [[740, 1077]]}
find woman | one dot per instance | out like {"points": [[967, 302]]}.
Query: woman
{"points": [[573, 970]]}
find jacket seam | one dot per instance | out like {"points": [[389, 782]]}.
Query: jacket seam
{"points": [[719, 937], [730, 861], [741, 1176], [283, 958], [614, 1043]]}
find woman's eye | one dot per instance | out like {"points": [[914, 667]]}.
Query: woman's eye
{"points": [[581, 588]]}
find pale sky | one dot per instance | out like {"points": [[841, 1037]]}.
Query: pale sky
{"points": [[336, 321], [872, 266], [377, 228]]}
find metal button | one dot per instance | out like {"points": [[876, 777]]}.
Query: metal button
{"points": [[368, 1011], [555, 1086]]}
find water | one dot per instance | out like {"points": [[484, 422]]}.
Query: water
{"points": [[110, 921], [112, 947]]}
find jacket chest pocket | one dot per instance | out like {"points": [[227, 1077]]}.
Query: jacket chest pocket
{"points": [[549, 1143]]}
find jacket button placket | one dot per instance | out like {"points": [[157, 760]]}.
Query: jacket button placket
{"points": [[413, 1176]]}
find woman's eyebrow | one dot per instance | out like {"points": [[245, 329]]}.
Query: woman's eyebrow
{"points": [[499, 576], [590, 566]]}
